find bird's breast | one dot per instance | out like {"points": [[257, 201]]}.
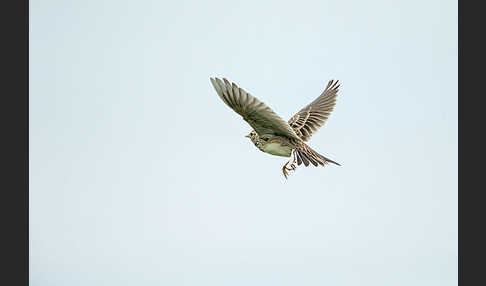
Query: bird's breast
{"points": [[277, 149]]}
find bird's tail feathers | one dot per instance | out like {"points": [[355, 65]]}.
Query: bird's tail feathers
{"points": [[307, 155]]}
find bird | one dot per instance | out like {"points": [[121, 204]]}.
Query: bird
{"points": [[273, 135]]}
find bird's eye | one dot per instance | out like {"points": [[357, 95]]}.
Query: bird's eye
{"points": [[265, 139]]}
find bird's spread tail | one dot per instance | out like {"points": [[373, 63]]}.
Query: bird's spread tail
{"points": [[306, 155]]}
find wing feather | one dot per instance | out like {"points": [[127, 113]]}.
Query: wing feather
{"points": [[310, 118], [261, 117]]}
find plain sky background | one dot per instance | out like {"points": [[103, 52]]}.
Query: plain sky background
{"points": [[141, 175]]}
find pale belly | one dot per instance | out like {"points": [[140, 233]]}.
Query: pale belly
{"points": [[277, 150]]}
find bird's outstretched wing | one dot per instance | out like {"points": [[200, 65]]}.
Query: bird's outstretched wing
{"points": [[256, 113], [310, 118]]}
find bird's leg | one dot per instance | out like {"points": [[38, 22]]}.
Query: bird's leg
{"points": [[292, 166], [284, 169], [294, 160]]}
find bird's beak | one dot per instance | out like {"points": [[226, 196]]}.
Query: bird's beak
{"points": [[247, 136]]}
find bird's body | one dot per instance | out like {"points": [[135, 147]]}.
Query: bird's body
{"points": [[277, 145], [274, 136], [278, 148]]}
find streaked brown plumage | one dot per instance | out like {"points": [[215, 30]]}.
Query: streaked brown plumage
{"points": [[314, 115], [271, 133]]}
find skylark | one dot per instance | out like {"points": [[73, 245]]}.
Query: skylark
{"points": [[271, 134]]}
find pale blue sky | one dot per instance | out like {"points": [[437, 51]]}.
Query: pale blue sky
{"points": [[140, 175]]}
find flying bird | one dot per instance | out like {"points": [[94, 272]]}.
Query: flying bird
{"points": [[271, 134]]}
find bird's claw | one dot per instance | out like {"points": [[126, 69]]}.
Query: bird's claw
{"points": [[292, 166], [285, 169], [285, 173]]}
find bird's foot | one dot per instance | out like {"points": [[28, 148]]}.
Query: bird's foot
{"points": [[286, 170]]}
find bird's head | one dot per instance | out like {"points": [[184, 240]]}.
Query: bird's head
{"points": [[260, 141], [253, 137]]}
